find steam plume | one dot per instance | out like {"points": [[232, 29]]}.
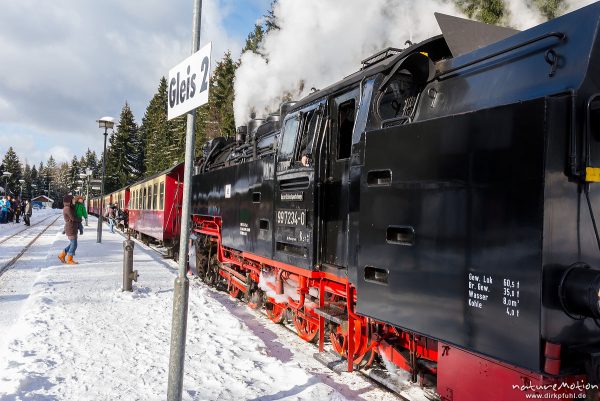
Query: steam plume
{"points": [[321, 41]]}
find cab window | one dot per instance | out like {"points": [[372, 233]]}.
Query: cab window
{"points": [[288, 143], [345, 117], [305, 147], [398, 98]]}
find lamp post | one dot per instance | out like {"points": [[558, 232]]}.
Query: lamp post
{"points": [[21, 181], [106, 123], [6, 176]]}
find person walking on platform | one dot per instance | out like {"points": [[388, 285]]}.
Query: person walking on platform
{"points": [[18, 210], [71, 229], [11, 211], [27, 213], [4, 205], [81, 213], [111, 215]]}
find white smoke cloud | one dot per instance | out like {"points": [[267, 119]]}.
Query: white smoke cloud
{"points": [[321, 41], [573, 5], [523, 14]]}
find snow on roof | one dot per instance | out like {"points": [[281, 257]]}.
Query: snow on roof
{"points": [[42, 198]]}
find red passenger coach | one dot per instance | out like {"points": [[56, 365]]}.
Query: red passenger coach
{"points": [[94, 206], [121, 198], [155, 208]]}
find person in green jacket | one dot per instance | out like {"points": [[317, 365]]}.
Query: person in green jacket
{"points": [[81, 213]]}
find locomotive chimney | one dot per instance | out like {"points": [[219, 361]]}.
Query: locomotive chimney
{"points": [[241, 133], [253, 125], [579, 291]]}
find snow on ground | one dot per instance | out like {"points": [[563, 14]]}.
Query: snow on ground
{"points": [[69, 333], [37, 215]]}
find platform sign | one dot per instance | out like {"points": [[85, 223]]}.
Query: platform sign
{"points": [[188, 83]]}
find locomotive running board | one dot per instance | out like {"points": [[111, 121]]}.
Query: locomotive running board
{"points": [[397, 384]]}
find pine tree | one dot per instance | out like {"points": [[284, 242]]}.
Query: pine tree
{"points": [[62, 183], [488, 11], [550, 8], [40, 180], [50, 178], [138, 143], [28, 177], [120, 154], [254, 39], [155, 129], [74, 169], [12, 165], [222, 95], [91, 161], [270, 18]]}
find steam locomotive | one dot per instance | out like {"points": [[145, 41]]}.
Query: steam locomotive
{"points": [[433, 210]]}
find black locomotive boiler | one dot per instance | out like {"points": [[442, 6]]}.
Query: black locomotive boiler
{"points": [[435, 209]]}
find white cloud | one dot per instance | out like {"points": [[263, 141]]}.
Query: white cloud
{"points": [[65, 63]]}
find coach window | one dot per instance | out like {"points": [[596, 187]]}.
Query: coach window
{"points": [[154, 199], [150, 197], [161, 201], [346, 113], [288, 143], [145, 199]]}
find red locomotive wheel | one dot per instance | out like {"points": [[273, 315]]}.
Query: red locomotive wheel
{"points": [[305, 328], [364, 354], [275, 311]]}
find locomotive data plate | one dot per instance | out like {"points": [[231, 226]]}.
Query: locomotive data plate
{"points": [[291, 217]]}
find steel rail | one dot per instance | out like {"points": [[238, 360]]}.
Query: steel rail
{"points": [[14, 260], [23, 230]]}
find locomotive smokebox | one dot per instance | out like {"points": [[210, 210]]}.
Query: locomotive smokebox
{"points": [[241, 133], [579, 291]]}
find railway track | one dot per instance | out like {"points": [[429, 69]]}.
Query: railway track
{"points": [[6, 266], [23, 230]]}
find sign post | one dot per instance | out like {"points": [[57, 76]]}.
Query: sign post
{"points": [[188, 89]]}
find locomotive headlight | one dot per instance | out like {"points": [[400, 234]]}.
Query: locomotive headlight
{"points": [[579, 291]]}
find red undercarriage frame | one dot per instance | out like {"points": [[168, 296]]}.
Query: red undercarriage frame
{"points": [[460, 375]]}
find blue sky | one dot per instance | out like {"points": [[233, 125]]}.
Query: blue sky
{"points": [[66, 63]]}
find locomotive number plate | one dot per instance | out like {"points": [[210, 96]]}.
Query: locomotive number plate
{"points": [[291, 217]]}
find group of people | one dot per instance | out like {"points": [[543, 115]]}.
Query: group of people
{"points": [[115, 216], [11, 210]]}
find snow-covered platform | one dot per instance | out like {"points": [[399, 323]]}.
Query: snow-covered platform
{"points": [[70, 333]]}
